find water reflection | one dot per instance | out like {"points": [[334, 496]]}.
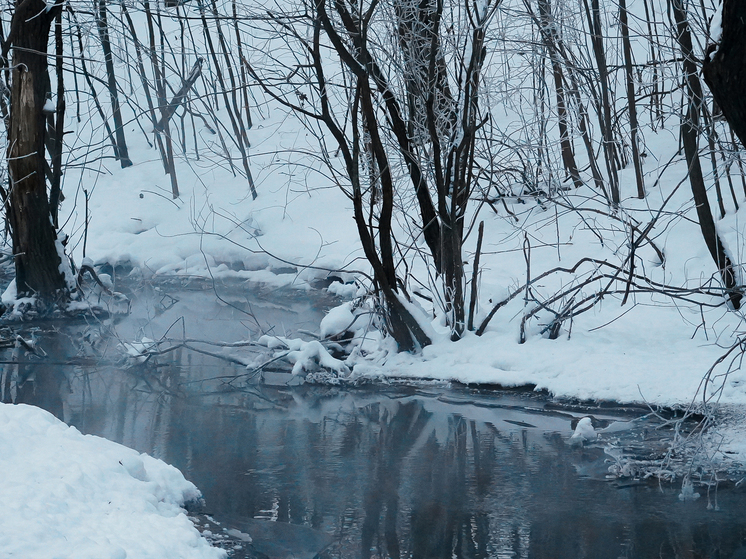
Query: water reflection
{"points": [[425, 473]]}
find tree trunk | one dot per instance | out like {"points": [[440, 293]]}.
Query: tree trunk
{"points": [[239, 131], [57, 126], [420, 42], [724, 67], [549, 37], [36, 258], [103, 30], [146, 88], [365, 64], [474, 277], [689, 133], [605, 120], [631, 101], [451, 235]]}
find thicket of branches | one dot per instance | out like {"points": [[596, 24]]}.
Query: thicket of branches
{"points": [[389, 84], [430, 116]]}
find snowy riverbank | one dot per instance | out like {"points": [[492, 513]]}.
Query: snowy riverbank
{"points": [[65, 494], [649, 342], [655, 349]]}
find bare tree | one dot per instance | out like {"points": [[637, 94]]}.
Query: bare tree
{"points": [[410, 134], [593, 15], [103, 32], [551, 42], [631, 100], [689, 135], [35, 248]]}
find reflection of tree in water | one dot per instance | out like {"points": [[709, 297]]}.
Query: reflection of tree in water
{"points": [[399, 431], [438, 507], [395, 476], [439, 492], [37, 382], [448, 518]]}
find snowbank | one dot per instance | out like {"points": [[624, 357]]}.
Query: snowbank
{"points": [[646, 357], [64, 494]]}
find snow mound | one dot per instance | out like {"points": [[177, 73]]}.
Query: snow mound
{"points": [[65, 494], [584, 431], [305, 356], [337, 321]]}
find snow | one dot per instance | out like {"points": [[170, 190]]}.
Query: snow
{"points": [[300, 229], [13, 303], [345, 290], [10, 295], [631, 362], [68, 495], [687, 490], [305, 356], [652, 350], [716, 30], [71, 494], [279, 342], [314, 352], [337, 321], [138, 351], [584, 431], [64, 267]]}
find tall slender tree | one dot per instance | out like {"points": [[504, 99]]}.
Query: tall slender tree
{"points": [[690, 135], [550, 39], [631, 101], [120, 150]]}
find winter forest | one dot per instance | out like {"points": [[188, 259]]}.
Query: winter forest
{"points": [[504, 193]]}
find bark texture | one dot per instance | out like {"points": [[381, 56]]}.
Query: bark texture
{"points": [[36, 258], [724, 67]]}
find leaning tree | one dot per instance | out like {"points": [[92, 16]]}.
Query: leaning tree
{"points": [[689, 137], [37, 256]]}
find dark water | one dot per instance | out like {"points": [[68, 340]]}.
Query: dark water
{"points": [[387, 471]]}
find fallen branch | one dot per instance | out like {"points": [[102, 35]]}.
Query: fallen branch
{"points": [[180, 96], [651, 287]]}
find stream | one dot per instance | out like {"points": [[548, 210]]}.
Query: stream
{"points": [[386, 469]]}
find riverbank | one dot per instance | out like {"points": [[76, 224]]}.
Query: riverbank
{"points": [[296, 468], [65, 494], [654, 345]]}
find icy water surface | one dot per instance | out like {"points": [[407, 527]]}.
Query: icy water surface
{"points": [[375, 471]]}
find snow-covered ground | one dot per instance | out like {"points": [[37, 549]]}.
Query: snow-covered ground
{"points": [[654, 349], [68, 495]]}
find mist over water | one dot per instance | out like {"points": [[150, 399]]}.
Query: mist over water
{"points": [[387, 470]]}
